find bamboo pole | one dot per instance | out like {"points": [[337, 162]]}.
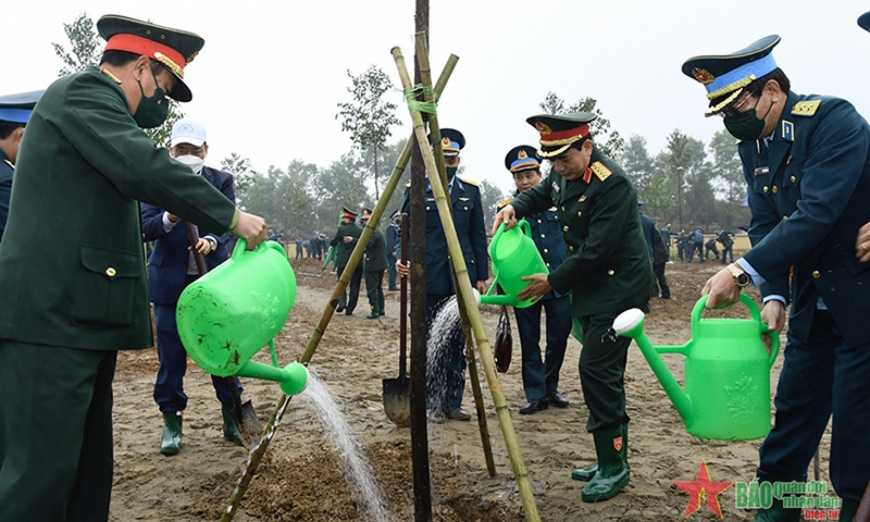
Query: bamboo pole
{"points": [[519, 467], [256, 453], [422, 54]]}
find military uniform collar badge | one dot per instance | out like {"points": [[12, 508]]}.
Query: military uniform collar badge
{"points": [[787, 130]]}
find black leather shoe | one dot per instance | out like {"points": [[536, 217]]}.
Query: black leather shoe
{"points": [[339, 309], [555, 398], [458, 414], [534, 407]]}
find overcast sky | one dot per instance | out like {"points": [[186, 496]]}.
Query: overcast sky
{"points": [[267, 82]]}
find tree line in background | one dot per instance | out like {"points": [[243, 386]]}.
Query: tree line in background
{"points": [[689, 184]]}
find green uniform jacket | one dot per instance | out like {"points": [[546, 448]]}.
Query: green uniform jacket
{"points": [[72, 271], [376, 252], [608, 267], [345, 249]]}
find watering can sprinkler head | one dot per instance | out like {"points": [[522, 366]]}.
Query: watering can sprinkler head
{"points": [[629, 323], [297, 379], [476, 296]]}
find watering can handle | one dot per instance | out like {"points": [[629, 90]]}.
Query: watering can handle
{"points": [[756, 316], [525, 227], [242, 247]]}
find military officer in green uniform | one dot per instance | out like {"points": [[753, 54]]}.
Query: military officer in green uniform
{"points": [[82, 296], [346, 238], [15, 110], [375, 265], [608, 271]]}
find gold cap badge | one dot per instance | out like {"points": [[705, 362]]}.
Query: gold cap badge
{"points": [[703, 76], [543, 128]]}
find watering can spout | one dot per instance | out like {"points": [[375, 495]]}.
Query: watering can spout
{"points": [[630, 324], [293, 378]]}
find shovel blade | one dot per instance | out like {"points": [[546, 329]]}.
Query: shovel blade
{"points": [[247, 424], [397, 402]]}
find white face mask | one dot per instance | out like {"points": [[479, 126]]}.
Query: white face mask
{"points": [[194, 162]]}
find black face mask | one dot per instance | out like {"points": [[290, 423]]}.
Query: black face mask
{"points": [[152, 111], [745, 125], [451, 171]]}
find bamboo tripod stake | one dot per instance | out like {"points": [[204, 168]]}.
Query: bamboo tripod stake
{"points": [[435, 131], [257, 452], [464, 288]]}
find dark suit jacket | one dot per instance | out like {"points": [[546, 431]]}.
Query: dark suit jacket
{"points": [[608, 266], [344, 250], [468, 222], [809, 196], [167, 267], [376, 252], [6, 172], [83, 164]]}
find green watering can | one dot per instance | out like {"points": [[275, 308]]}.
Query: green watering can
{"points": [[727, 393], [514, 255], [229, 314]]}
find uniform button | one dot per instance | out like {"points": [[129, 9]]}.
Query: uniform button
{"points": [[765, 190], [472, 261], [784, 218], [111, 272], [793, 179], [565, 228], [571, 248], [816, 274], [579, 214], [543, 235], [427, 208], [610, 272], [546, 251], [563, 209], [539, 221], [466, 208], [775, 190]]}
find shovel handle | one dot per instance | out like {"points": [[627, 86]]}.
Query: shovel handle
{"points": [[403, 301], [193, 237]]}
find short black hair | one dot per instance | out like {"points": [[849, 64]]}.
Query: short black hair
{"points": [[8, 127], [755, 88], [579, 143]]}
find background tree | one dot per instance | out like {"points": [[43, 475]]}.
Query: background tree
{"points": [[730, 185], [339, 186], [240, 167], [609, 140], [86, 50], [490, 196], [368, 117]]}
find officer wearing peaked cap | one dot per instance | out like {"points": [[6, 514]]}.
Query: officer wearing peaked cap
{"points": [[541, 377], [608, 271], [806, 161], [15, 110], [345, 239], [83, 166], [468, 222]]}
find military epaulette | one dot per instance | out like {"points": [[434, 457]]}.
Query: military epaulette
{"points": [[601, 172], [469, 181], [806, 108], [505, 202]]}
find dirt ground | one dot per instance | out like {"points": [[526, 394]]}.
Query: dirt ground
{"points": [[301, 480]]}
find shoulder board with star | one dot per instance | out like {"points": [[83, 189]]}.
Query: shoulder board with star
{"points": [[601, 172], [502, 204], [806, 108], [469, 181]]}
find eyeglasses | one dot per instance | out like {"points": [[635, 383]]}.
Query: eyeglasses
{"points": [[735, 109]]}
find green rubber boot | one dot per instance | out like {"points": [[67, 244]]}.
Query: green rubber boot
{"points": [[586, 474], [848, 510], [613, 473], [171, 440], [777, 512], [230, 432], [374, 315]]}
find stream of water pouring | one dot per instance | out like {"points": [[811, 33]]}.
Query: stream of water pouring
{"points": [[445, 325], [358, 472]]}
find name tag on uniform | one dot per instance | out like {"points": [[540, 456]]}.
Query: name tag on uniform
{"points": [[762, 171], [556, 187]]}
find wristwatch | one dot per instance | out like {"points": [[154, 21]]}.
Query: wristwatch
{"points": [[741, 278]]}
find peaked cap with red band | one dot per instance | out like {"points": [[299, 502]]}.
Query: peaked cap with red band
{"points": [[345, 213], [171, 47], [559, 131]]}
